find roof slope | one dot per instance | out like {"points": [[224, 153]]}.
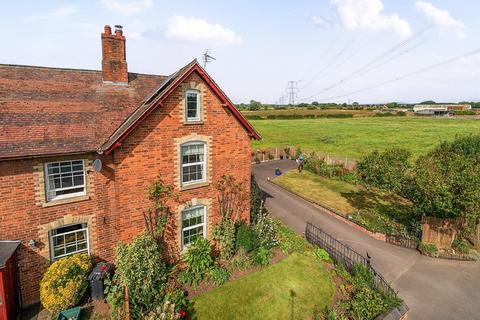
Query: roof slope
{"points": [[161, 93], [53, 111], [48, 111]]}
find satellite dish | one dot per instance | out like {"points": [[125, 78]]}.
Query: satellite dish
{"points": [[97, 165]]}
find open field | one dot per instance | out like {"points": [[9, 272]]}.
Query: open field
{"points": [[267, 294], [375, 211], [353, 138], [264, 113]]}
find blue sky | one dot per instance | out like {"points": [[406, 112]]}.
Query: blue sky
{"points": [[337, 50]]}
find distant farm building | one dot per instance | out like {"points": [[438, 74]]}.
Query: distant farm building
{"points": [[439, 110]]}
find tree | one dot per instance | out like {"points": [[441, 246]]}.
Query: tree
{"points": [[385, 170], [255, 105], [445, 182], [428, 102]]}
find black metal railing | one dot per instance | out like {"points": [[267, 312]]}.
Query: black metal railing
{"points": [[342, 253]]}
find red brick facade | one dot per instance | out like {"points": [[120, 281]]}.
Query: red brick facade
{"points": [[116, 196]]}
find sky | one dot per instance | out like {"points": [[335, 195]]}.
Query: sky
{"points": [[366, 51]]}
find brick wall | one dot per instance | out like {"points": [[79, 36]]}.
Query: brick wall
{"points": [[116, 196]]}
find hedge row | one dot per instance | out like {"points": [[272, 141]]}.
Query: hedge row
{"points": [[297, 116]]}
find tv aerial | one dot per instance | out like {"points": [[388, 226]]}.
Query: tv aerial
{"points": [[207, 58]]}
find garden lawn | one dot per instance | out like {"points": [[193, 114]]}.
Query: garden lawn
{"points": [[353, 138], [267, 293], [375, 211]]}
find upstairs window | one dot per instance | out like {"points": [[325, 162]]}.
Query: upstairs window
{"points": [[192, 106], [193, 162], [69, 240], [65, 179]]}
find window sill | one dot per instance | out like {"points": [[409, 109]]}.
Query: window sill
{"points": [[65, 201], [194, 186], [193, 122]]}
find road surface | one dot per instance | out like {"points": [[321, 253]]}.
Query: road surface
{"points": [[432, 288]]}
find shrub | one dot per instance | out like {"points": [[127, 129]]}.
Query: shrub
{"points": [[322, 255], [362, 276], [270, 156], [367, 303], [262, 256], [265, 229], [219, 275], [241, 260], [385, 170], [198, 260], [289, 241], [298, 152], [461, 246], [140, 268], [246, 237], [224, 234], [428, 249], [64, 283], [287, 152], [256, 199], [445, 182]]}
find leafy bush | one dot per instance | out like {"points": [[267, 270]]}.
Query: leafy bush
{"points": [[140, 268], [256, 199], [241, 260], [367, 303], [264, 227], [65, 282], [253, 117], [219, 275], [289, 240], [362, 276], [246, 237], [385, 170], [461, 246], [270, 156], [322, 255], [428, 249], [262, 256], [198, 260], [298, 152], [445, 182], [224, 234], [465, 112]]}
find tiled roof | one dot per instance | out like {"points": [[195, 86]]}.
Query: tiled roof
{"points": [[49, 111]]}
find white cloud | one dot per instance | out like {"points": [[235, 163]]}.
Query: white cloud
{"points": [[197, 30], [57, 13], [322, 22], [126, 7], [368, 14], [441, 18]]}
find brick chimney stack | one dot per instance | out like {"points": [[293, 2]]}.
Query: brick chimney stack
{"points": [[114, 63]]}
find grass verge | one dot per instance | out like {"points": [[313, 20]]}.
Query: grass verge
{"points": [[375, 211]]}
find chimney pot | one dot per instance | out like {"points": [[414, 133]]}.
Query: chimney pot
{"points": [[118, 30], [107, 29]]}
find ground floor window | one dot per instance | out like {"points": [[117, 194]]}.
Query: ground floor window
{"points": [[193, 225], [68, 240]]}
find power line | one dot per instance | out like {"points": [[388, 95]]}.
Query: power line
{"points": [[431, 67], [375, 63]]}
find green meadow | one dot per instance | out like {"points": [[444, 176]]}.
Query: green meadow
{"points": [[354, 137]]}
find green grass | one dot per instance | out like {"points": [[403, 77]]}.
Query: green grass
{"points": [[267, 294], [353, 138], [376, 211]]}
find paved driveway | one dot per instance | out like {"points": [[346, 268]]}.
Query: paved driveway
{"points": [[432, 288]]}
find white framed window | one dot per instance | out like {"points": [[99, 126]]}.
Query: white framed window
{"points": [[192, 105], [193, 162], [65, 179], [193, 225], [69, 240]]}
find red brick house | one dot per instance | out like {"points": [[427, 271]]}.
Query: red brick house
{"points": [[54, 123]]}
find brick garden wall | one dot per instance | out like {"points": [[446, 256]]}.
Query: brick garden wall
{"points": [[116, 196]]}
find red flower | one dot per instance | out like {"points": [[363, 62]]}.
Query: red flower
{"points": [[182, 313], [104, 267]]}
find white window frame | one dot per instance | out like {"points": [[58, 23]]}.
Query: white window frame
{"points": [[198, 117], [64, 196], [204, 224], [52, 236], [203, 163]]}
